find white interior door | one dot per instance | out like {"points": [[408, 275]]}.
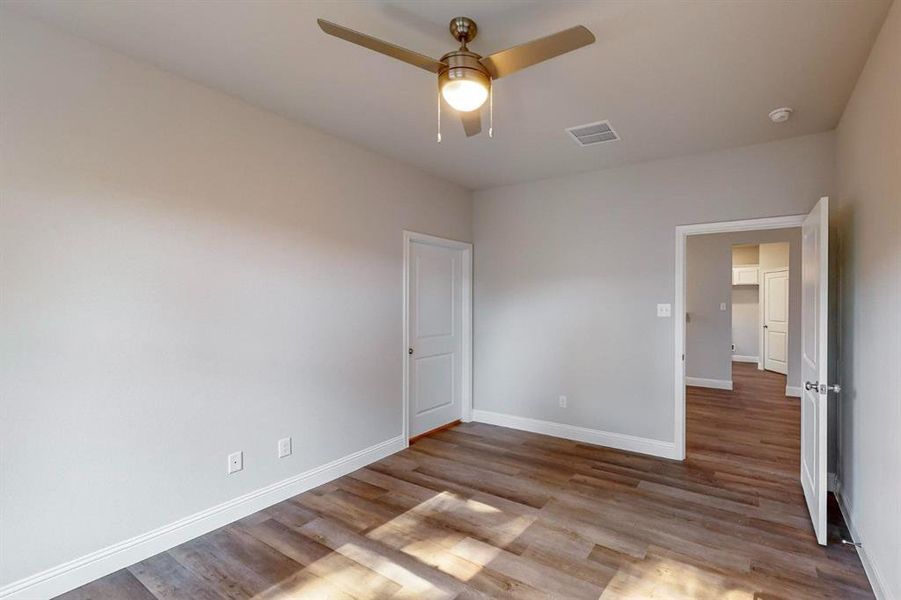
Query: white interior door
{"points": [[435, 305], [775, 321], [814, 336]]}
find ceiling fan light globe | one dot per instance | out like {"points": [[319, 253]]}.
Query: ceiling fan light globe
{"points": [[464, 94]]}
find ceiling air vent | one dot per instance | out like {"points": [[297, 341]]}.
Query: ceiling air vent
{"points": [[593, 133]]}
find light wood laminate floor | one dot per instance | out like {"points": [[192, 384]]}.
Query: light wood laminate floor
{"points": [[481, 511]]}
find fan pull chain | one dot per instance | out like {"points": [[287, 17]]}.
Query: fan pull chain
{"points": [[491, 111], [439, 115]]}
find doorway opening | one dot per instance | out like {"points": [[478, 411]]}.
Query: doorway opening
{"points": [[742, 305], [741, 355]]}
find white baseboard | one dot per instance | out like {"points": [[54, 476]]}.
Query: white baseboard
{"points": [[719, 384], [880, 588], [75, 573], [619, 441], [793, 391], [748, 359]]}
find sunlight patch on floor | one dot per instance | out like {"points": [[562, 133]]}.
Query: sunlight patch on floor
{"points": [[360, 572], [667, 579]]}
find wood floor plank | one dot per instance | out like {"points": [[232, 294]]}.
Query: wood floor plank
{"points": [[167, 579], [121, 585], [479, 511]]}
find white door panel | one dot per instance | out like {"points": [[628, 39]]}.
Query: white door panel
{"points": [[434, 383], [775, 321], [435, 355], [434, 279], [814, 357]]}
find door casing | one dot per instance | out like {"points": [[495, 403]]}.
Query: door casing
{"points": [[466, 315], [682, 233]]}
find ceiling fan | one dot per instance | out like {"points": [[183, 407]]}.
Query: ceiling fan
{"points": [[464, 77]]}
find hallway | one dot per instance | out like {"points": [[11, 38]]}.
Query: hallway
{"points": [[754, 427]]}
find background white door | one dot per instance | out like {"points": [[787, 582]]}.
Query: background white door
{"points": [[814, 336], [775, 321], [435, 297]]}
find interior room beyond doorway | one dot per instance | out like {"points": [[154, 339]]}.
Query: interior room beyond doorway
{"points": [[743, 305]]}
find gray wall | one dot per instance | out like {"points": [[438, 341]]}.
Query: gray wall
{"points": [[569, 271], [183, 276], [708, 282], [867, 221], [745, 320], [745, 305]]}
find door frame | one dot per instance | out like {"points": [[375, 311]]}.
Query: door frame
{"points": [[682, 233], [466, 316], [761, 313]]}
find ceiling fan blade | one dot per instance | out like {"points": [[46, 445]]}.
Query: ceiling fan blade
{"points": [[367, 41], [511, 60], [472, 122]]}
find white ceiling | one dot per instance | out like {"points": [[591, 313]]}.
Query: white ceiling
{"points": [[672, 77]]}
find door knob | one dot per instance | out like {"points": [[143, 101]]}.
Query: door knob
{"points": [[822, 387], [409, 350]]}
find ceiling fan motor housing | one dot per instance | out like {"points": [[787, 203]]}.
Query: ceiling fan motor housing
{"points": [[462, 64]]}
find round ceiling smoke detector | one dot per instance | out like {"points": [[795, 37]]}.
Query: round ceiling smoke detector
{"points": [[781, 115]]}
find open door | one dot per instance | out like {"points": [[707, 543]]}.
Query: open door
{"points": [[814, 361]]}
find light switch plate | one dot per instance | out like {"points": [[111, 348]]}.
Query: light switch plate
{"points": [[723, 306], [664, 310]]}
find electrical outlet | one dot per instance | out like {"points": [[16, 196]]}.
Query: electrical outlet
{"points": [[664, 310], [562, 401], [235, 462], [284, 447]]}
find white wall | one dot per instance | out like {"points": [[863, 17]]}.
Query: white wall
{"points": [[183, 276], [745, 320], [708, 282], [868, 224], [569, 271], [745, 305]]}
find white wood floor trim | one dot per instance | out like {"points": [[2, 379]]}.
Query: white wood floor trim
{"points": [[609, 439], [717, 384], [877, 582], [793, 391], [743, 358], [75, 573]]}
